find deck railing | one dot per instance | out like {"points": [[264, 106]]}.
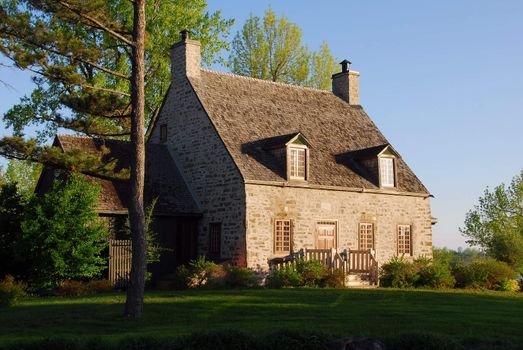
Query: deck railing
{"points": [[349, 261]]}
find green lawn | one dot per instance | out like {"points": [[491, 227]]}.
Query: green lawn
{"points": [[378, 312]]}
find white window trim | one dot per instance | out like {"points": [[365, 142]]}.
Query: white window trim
{"points": [[382, 179], [305, 149], [373, 235]]}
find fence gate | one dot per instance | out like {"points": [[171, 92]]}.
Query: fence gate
{"points": [[120, 255]]}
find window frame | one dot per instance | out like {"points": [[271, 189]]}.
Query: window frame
{"points": [[373, 232], [163, 133], [409, 235], [218, 241], [275, 237], [327, 221], [380, 169], [290, 158]]}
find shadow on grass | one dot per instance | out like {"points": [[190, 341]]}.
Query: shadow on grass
{"points": [[379, 312]]}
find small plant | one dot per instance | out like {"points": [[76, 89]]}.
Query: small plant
{"points": [[398, 273], [11, 291], [239, 277], [333, 279], [285, 277], [71, 289], [434, 274], [509, 286], [99, 286], [311, 272]]}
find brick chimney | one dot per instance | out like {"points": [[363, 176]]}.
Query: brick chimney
{"points": [[185, 57], [346, 84]]}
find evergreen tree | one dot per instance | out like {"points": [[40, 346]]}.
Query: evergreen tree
{"points": [[62, 235], [271, 49], [98, 73]]}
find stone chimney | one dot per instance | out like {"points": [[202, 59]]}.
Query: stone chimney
{"points": [[185, 57], [346, 84]]}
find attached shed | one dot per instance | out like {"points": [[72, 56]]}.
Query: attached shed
{"points": [[175, 216]]}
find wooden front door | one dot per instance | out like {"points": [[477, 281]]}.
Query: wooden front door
{"points": [[326, 234]]}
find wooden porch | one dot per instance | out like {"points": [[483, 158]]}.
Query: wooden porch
{"points": [[351, 261]]}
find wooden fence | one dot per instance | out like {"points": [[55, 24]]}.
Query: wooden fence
{"points": [[120, 256]]}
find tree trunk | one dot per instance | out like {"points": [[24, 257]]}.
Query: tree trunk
{"points": [[134, 302]]}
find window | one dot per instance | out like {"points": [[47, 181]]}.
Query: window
{"points": [[366, 236], [282, 236], [387, 172], [326, 234], [297, 163], [404, 240], [215, 239], [163, 133]]}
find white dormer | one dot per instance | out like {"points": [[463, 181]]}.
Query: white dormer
{"points": [[297, 149], [387, 167]]}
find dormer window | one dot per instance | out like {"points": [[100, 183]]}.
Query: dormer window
{"points": [[298, 163], [387, 172]]}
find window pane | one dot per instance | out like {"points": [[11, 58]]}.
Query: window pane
{"points": [[297, 163], [366, 236], [282, 236], [404, 239], [387, 171]]}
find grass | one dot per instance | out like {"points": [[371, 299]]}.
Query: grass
{"points": [[377, 312]]}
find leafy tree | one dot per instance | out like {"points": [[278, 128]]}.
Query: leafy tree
{"points": [[271, 49], [496, 223], [24, 173], [98, 73], [63, 235], [12, 205]]}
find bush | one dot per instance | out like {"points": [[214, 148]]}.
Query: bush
{"points": [[398, 273], [482, 273], [11, 291], [71, 288], [285, 277], [239, 277], [434, 274], [333, 279], [311, 272], [509, 286]]}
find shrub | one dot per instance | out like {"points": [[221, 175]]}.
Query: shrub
{"points": [[434, 274], [311, 272], [285, 277], [239, 277], [509, 286], [71, 289], [485, 273], [11, 291], [333, 279], [398, 273], [99, 286]]}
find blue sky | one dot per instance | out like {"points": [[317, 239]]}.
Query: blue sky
{"points": [[443, 81]]}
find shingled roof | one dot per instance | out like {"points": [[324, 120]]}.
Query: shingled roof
{"points": [[162, 178], [247, 112]]}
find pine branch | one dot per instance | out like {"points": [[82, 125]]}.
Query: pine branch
{"points": [[97, 24]]}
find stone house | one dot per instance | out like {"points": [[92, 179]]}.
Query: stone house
{"points": [[252, 171], [276, 168]]}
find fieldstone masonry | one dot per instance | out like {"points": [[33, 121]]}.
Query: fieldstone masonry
{"points": [[305, 206]]}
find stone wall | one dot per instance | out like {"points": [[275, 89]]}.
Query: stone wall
{"points": [[204, 162], [305, 206]]}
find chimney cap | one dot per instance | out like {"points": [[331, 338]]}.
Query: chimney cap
{"points": [[345, 64], [185, 34]]}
